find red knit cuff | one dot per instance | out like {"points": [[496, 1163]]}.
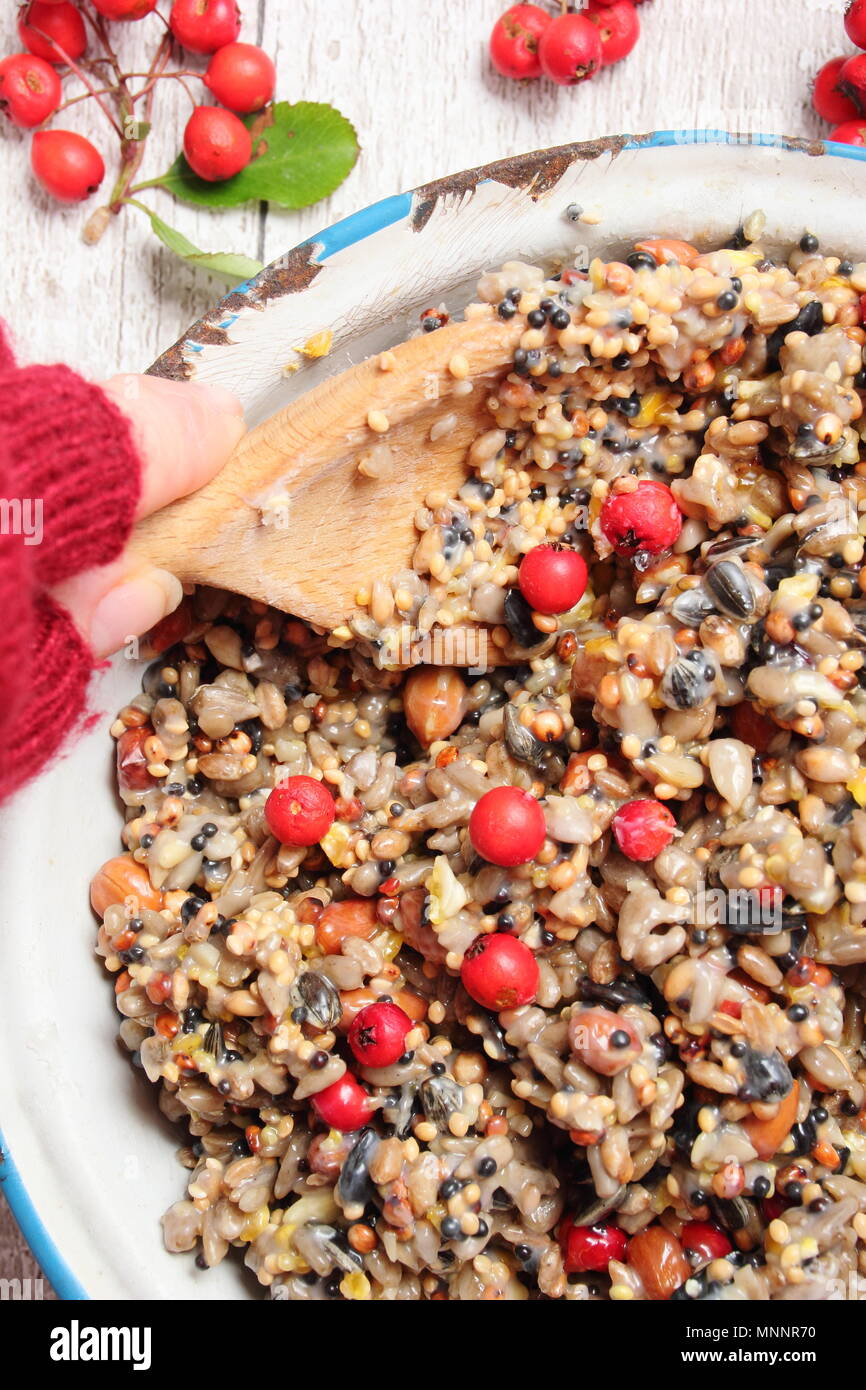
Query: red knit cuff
{"points": [[52, 674], [75, 468], [16, 618]]}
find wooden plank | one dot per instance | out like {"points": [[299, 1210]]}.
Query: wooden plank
{"points": [[113, 306]]}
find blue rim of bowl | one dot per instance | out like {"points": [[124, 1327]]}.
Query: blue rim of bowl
{"points": [[377, 216], [340, 235], [52, 1264]]}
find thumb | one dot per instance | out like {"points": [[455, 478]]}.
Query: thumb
{"points": [[183, 432], [117, 602]]}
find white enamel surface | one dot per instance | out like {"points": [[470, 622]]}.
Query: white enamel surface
{"points": [[372, 295], [97, 1161]]}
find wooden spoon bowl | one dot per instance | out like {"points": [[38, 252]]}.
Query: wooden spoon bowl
{"points": [[291, 521]]}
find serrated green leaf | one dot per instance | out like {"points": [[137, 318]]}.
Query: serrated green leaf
{"points": [[233, 266], [301, 153]]}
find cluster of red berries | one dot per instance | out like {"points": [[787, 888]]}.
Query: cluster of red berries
{"points": [[839, 89], [587, 1249], [216, 143], [529, 41]]}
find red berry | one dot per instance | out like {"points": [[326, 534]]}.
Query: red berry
{"points": [[216, 143], [514, 41], [30, 90], [851, 81], [618, 27], [203, 26], [588, 1249], [855, 22], [507, 826], [850, 133], [343, 1105], [500, 972], [570, 50], [647, 520], [706, 1240], [828, 101], [241, 76], [552, 578], [67, 166], [300, 811], [124, 9], [42, 26], [642, 829], [378, 1034]]}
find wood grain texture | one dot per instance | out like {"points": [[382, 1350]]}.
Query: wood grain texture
{"points": [[317, 443], [415, 80]]}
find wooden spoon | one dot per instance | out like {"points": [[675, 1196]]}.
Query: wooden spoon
{"points": [[291, 521]]}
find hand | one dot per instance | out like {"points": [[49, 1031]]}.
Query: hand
{"points": [[184, 434]]}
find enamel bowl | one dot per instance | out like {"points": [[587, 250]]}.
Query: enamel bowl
{"points": [[87, 1162]]}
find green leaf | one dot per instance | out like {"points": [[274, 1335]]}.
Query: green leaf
{"points": [[301, 153], [234, 266]]}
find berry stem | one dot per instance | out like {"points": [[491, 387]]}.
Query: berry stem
{"points": [[83, 77], [97, 24], [145, 183], [180, 76], [132, 146], [86, 96]]}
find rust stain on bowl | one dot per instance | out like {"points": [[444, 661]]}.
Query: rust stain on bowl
{"points": [[536, 173], [290, 274]]}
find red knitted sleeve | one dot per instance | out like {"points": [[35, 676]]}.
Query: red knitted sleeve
{"points": [[69, 483]]}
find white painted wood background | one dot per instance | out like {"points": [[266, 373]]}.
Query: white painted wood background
{"points": [[414, 78]]}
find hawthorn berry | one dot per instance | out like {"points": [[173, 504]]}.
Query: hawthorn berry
{"points": [[344, 1105], [241, 76], [124, 9], [828, 101], [300, 811], [377, 1035], [850, 133], [569, 50], [203, 26], [30, 89], [500, 972], [514, 41], [618, 27], [507, 826], [642, 829], [855, 22], [588, 1249], [216, 143], [646, 520], [851, 81], [66, 165], [45, 29], [552, 578]]}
